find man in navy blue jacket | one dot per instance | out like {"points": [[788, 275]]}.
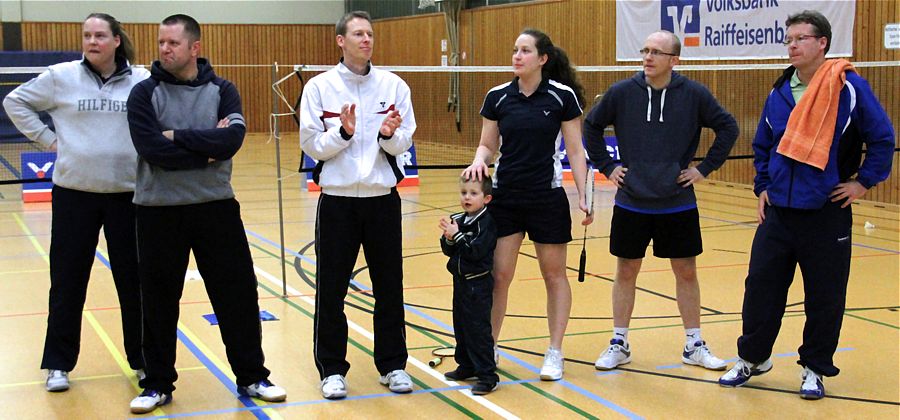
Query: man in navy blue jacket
{"points": [[658, 115], [804, 212], [186, 124]]}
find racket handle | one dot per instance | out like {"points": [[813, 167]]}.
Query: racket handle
{"points": [[581, 266]]}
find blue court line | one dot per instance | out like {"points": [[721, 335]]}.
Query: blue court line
{"points": [[222, 377], [734, 359], [10, 167], [278, 246], [753, 225], [326, 401], [231, 386], [608, 372], [532, 368]]}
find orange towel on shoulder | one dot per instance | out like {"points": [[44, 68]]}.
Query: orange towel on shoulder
{"points": [[810, 128]]}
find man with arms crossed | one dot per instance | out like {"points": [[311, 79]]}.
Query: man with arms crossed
{"points": [[186, 124]]}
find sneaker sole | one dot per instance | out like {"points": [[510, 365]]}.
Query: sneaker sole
{"points": [[811, 397], [624, 362], [244, 393], [142, 410], [337, 396], [466, 379], [735, 385], [58, 388], [550, 378], [484, 392], [687, 361]]}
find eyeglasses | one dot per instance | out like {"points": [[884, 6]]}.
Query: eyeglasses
{"points": [[799, 39], [655, 53]]}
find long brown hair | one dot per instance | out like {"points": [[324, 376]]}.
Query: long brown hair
{"points": [[557, 66]]}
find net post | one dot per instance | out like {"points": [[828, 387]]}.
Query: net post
{"points": [[277, 136]]}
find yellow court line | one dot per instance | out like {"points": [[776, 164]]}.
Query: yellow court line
{"points": [[80, 379], [31, 238], [85, 378], [39, 270], [226, 369], [104, 337]]}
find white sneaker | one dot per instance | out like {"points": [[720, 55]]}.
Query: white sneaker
{"points": [[812, 387], [701, 356], [552, 370], [397, 381], [140, 373], [618, 353], [148, 401], [742, 371], [57, 380], [334, 387], [264, 390]]}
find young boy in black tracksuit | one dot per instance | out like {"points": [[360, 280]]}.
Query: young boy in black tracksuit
{"points": [[469, 239]]}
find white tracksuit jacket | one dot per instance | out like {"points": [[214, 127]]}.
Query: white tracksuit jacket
{"points": [[362, 166]]}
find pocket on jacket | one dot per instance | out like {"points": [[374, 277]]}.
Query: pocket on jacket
{"points": [[652, 179]]}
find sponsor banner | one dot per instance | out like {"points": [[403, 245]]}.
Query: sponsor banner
{"points": [[407, 158], [37, 165], [726, 29], [612, 146]]}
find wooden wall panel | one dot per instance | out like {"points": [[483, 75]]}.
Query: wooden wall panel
{"points": [[413, 41], [243, 54], [585, 29]]}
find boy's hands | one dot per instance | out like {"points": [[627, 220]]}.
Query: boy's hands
{"points": [[449, 227]]}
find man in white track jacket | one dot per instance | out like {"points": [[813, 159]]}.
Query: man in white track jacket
{"points": [[354, 120]]}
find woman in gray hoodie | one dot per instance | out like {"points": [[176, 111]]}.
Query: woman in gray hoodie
{"points": [[93, 184]]}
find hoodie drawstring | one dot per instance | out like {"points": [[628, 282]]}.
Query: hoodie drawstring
{"points": [[649, 102], [662, 103]]}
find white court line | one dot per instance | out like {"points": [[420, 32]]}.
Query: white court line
{"points": [[502, 412]]}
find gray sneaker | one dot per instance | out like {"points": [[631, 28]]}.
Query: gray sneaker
{"points": [[57, 380], [397, 381], [334, 387]]}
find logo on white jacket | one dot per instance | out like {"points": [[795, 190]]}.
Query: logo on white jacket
{"points": [[42, 171]]}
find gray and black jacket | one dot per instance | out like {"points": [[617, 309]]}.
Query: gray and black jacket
{"points": [[196, 166]]}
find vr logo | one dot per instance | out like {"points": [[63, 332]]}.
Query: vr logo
{"points": [[681, 17], [42, 171]]}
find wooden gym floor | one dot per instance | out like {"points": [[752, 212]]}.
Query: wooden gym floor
{"points": [[654, 385]]}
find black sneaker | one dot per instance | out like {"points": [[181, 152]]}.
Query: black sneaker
{"points": [[460, 374], [483, 388]]}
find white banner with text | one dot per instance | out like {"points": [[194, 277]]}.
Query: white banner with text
{"points": [[726, 29]]}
